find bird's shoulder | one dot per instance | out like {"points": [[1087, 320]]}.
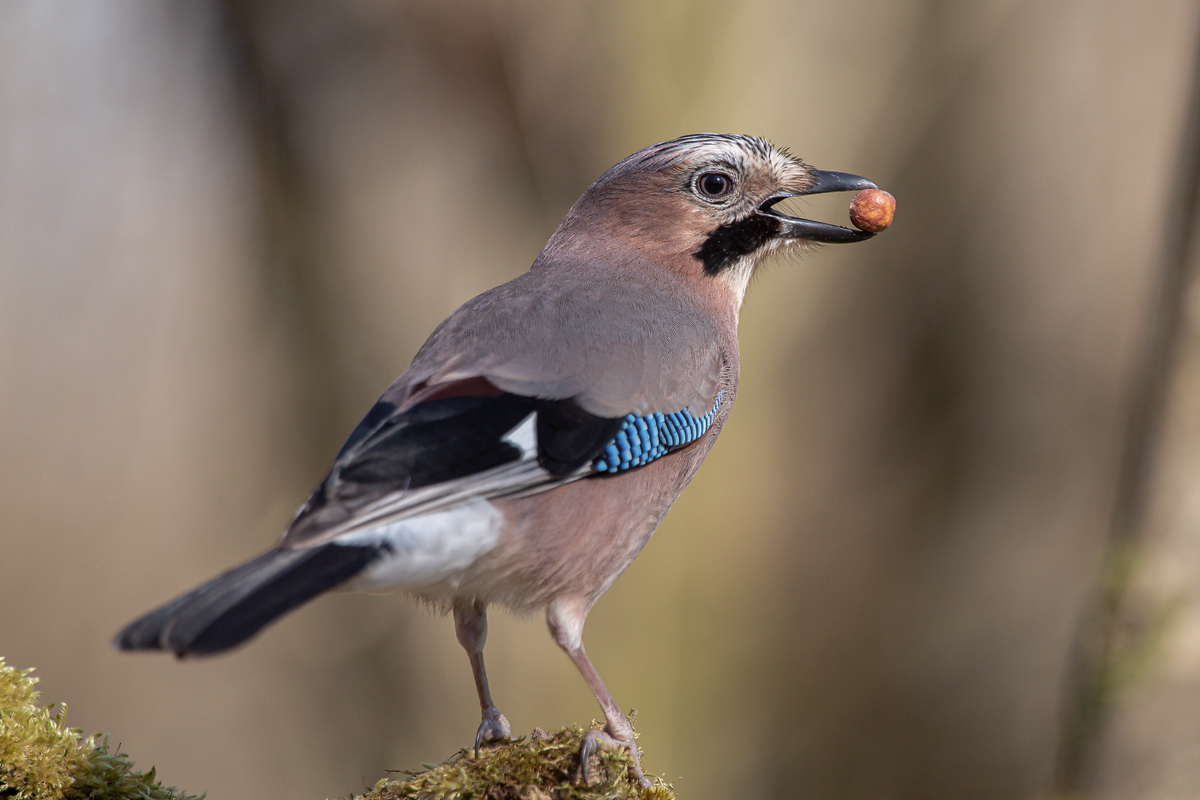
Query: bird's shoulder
{"points": [[617, 342]]}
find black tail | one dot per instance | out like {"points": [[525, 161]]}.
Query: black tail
{"points": [[231, 608]]}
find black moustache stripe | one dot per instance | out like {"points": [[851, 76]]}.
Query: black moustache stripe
{"points": [[732, 241]]}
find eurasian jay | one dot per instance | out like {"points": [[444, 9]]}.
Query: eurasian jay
{"points": [[545, 428]]}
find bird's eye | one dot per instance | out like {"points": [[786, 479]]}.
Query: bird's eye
{"points": [[714, 184]]}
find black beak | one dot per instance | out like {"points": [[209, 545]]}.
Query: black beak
{"points": [[823, 181]]}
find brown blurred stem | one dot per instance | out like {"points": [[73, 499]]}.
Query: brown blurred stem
{"points": [[1092, 674], [290, 262]]}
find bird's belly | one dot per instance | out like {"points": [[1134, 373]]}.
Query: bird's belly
{"points": [[574, 541]]}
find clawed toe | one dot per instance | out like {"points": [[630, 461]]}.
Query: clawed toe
{"points": [[493, 728], [592, 741]]}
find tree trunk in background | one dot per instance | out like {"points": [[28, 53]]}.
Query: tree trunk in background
{"points": [[1146, 742], [997, 347], [1149, 746]]}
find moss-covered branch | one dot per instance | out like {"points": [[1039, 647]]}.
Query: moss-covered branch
{"points": [[42, 759], [544, 767]]}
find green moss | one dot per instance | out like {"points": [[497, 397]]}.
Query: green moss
{"points": [[42, 759], [543, 768]]}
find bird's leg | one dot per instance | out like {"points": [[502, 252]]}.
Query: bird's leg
{"points": [[565, 618], [470, 625]]}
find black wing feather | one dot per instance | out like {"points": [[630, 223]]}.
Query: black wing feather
{"points": [[438, 441], [444, 439], [569, 437]]}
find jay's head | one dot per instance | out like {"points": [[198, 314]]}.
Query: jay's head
{"points": [[703, 205]]}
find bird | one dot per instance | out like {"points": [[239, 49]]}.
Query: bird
{"points": [[545, 428]]}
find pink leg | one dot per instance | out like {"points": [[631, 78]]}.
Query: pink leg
{"points": [[470, 624], [565, 618]]}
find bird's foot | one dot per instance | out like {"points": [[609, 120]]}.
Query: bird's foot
{"points": [[594, 739], [493, 728]]}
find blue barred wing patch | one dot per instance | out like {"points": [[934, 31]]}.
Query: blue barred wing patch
{"points": [[643, 439]]}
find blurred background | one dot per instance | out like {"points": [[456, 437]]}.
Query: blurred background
{"points": [[947, 545]]}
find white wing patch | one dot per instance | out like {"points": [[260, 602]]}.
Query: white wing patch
{"points": [[524, 436]]}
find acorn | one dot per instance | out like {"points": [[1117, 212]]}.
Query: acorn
{"points": [[872, 210]]}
